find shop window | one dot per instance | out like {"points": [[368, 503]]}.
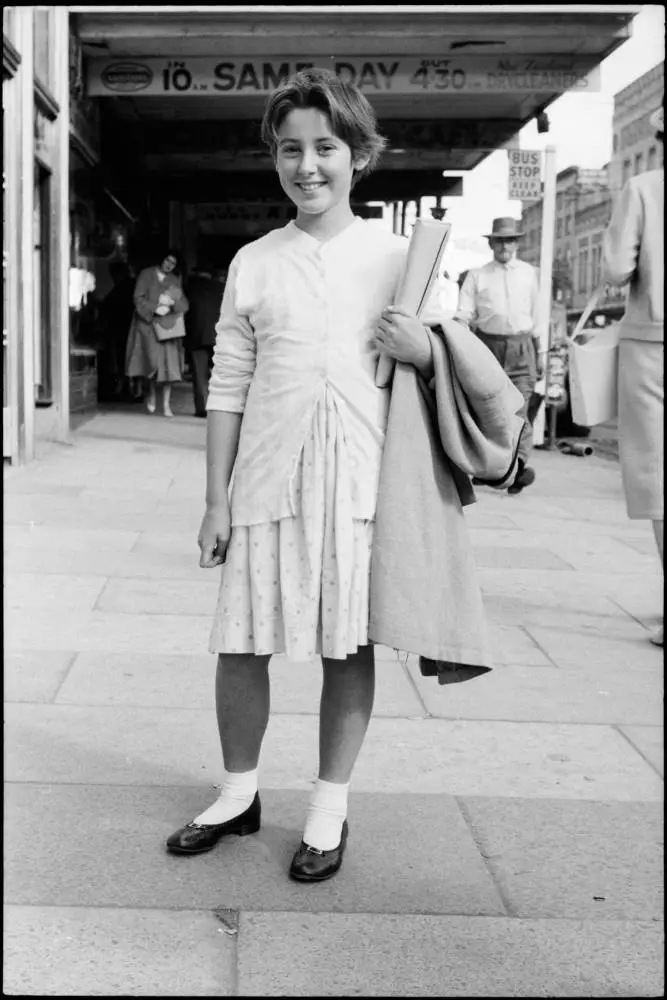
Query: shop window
{"points": [[652, 158], [583, 271], [639, 163], [41, 287], [568, 225], [596, 262], [627, 169], [559, 229]]}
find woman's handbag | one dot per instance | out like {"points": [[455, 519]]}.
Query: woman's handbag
{"points": [[172, 332], [593, 362]]}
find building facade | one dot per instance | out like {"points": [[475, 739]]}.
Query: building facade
{"points": [[634, 145], [585, 200], [578, 191], [35, 228], [62, 227]]}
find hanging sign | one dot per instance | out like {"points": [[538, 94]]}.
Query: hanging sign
{"points": [[525, 174], [248, 76]]}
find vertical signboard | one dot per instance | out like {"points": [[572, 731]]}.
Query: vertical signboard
{"points": [[525, 174]]}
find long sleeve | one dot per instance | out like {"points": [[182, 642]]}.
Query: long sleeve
{"points": [[146, 296], [235, 354], [181, 305], [623, 238], [467, 308]]}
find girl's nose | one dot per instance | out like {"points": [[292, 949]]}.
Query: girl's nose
{"points": [[307, 164]]}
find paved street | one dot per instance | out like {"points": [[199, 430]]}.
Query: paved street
{"points": [[505, 835]]}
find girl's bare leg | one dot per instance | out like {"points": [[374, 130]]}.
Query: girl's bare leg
{"points": [[242, 702], [166, 400], [348, 690], [150, 395]]}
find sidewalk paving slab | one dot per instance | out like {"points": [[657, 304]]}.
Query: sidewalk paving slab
{"points": [[73, 744], [104, 846], [333, 954], [162, 681], [90, 951], [596, 696], [576, 860]]}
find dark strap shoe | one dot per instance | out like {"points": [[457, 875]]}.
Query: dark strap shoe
{"points": [[194, 839], [309, 864], [525, 477]]}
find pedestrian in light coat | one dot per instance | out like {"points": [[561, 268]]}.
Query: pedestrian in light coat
{"points": [[634, 250]]}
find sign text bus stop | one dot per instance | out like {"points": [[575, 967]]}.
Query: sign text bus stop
{"points": [[525, 174]]}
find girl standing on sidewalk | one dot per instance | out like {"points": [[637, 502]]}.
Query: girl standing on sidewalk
{"points": [[293, 402]]}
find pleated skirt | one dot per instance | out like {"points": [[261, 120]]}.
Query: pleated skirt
{"points": [[300, 585]]}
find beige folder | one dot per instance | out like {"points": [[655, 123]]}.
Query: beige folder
{"points": [[427, 246]]}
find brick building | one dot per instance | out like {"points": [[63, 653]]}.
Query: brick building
{"points": [[585, 199], [635, 148]]}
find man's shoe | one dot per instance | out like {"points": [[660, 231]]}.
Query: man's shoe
{"points": [[194, 839], [312, 865], [524, 478]]}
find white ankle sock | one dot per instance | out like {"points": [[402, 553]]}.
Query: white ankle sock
{"points": [[236, 794], [326, 814]]}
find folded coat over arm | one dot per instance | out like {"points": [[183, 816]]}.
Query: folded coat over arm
{"points": [[424, 594]]}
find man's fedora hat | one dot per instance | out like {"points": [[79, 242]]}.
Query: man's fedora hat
{"points": [[657, 120], [504, 229]]}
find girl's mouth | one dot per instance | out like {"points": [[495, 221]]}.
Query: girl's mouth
{"points": [[308, 187]]}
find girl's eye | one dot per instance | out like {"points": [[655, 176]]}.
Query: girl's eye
{"points": [[327, 149]]}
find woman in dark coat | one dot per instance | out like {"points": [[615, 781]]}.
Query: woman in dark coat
{"points": [[158, 293]]}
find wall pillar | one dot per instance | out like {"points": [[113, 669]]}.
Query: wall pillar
{"points": [[26, 326]]}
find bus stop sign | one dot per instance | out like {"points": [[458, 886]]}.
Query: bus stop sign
{"points": [[525, 174]]}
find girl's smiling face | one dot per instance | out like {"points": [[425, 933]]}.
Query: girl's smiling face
{"points": [[315, 167]]}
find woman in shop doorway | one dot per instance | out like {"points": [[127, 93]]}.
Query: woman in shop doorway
{"points": [[158, 292]]}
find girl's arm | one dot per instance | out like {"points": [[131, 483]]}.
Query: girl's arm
{"points": [[234, 362], [181, 304], [222, 443]]}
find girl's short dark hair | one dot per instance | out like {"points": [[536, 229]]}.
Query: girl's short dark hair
{"points": [[178, 257], [351, 115]]}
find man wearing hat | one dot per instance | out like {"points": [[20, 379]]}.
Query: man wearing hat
{"points": [[499, 302], [633, 256]]}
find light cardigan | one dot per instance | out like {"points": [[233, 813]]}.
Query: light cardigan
{"points": [[298, 324], [424, 594]]}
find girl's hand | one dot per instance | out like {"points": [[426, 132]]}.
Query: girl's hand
{"points": [[214, 535], [401, 335], [162, 310]]}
